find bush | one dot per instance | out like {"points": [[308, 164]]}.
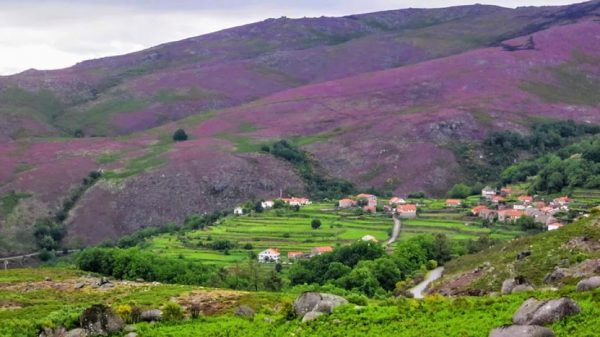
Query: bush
{"points": [[180, 135], [172, 312], [357, 299], [315, 224], [194, 310]]}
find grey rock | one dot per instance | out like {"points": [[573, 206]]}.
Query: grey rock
{"points": [[100, 320], [269, 320], [534, 312], [244, 311], [131, 334], [311, 316], [522, 255], [518, 282], [56, 332], [107, 285], [76, 333], [313, 301], [79, 285], [130, 328], [522, 288], [588, 284], [522, 331], [151, 315], [556, 275]]}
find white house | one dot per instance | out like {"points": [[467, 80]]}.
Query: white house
{"points": [[368, 238], [488, 192], [238, 211], [267, 204], [269, 255], [397, 201], [408, 211]]}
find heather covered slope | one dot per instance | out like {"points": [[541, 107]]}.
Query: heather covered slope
{"points": [[396, 128], [122, 94]]}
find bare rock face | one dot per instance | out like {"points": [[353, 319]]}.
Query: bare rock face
{"points": [[588, 284], [320, 302], [100, 320], [522, 331], [534, 312]]}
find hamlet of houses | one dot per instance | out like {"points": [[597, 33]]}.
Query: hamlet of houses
{"points": [[268, 204], [273, 255], [540, 211]]}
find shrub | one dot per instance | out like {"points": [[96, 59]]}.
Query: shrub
{"points": [[180, 135], [172, 312], [357, 299], [194, 310], [315, 224]]}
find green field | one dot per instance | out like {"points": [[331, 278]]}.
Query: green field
{"points": [[287, 230]]}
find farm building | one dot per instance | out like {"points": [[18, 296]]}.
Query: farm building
{"points": [[453, 202], [295, 255], [509, 215], [371, 199], [268, 255], [488, 192], [397, 201], [238, 211], [346, 203], [267, 204], [320, 250], [477, 209], [407, 211], [370, 209], [526, 199], [296, 201]]}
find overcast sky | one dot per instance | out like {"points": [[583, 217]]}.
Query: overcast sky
{"points": [[49, 34]]}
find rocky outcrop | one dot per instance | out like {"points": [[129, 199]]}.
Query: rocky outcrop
{"points": [[535, 312], [588, 284], [522, 331], [100, 320], [585, 269], [311, 305], [151, 315], [516, 285], [532, 314], [244, 311]]}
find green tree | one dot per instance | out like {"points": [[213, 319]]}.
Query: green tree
{"points": [[315, 224], [459, 191], [180, 135]]}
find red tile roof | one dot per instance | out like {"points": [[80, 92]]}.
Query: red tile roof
{"points": [[406, 208]]}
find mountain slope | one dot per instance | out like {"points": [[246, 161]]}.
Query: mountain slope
{"points": [[122, 94], [396, 128]]}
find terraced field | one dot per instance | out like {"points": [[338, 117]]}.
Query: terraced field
{"points": [[287, 231], [583, 198]]}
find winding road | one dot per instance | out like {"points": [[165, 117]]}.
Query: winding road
{"points": [[422, 287], [395, 231]]}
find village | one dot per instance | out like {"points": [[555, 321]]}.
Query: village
{"points": [[503, 206]]}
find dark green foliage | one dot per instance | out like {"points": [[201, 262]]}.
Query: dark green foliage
{"points": [[315, 224], [133, 263], [576, 165], [417, 195], [179, 135], [529, 224], [460, 191], [319, 187], [48, 234], [222, 245], [502, 149]]}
